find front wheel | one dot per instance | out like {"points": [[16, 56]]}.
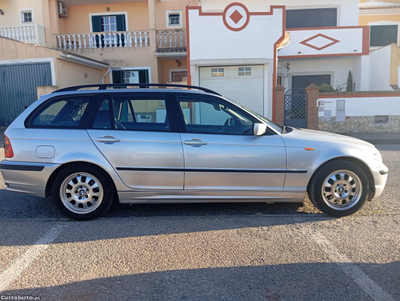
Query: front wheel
{"points": [[339, 188], [82, 192]]}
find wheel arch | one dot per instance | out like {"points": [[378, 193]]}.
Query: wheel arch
{"points": [[51, 179], [359, 162]]}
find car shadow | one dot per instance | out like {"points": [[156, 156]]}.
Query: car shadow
{"points": [[294, 281]]}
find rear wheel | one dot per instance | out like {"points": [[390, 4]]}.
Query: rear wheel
{"points": [[82, 192], [339, 188]]}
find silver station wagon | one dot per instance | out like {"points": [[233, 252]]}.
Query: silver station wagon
{"points": [[90, 146]]}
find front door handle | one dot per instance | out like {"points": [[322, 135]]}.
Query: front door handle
{"points": [[195, 142], [108, 139]]}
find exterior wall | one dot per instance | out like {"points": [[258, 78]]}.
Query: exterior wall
{"points": [[78, 20], [167, 65], [367, 19], [163, 6], [347, 9], [125, 58], [338, 68], [12, 15], [65, 73], [379, 69], [360, 112]]}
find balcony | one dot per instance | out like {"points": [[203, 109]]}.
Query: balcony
{"points": [[326, 42], [97, 40], [171, 42], [32, 33]]}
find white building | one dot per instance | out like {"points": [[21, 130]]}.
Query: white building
{"points": [[245, 50]]}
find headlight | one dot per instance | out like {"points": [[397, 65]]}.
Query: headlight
{"points": [[378, 157]]}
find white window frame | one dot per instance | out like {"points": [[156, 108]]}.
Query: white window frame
{"points": [[378, 23], [218, 72], [26, 9], [246, 73], [173, 12], [109, 14], [132, 69]]}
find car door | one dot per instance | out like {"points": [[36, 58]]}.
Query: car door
{"points": [[221, 152], [134, 132]]}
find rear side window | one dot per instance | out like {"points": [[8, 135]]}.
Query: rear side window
{"points": [[143, 114], [61, 113]]}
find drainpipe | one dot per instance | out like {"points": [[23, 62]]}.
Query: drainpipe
{"points": [[105, 74]]}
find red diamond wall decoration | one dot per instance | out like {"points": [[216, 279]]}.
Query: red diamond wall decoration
{"points": [[236, 16], [319, 37]]}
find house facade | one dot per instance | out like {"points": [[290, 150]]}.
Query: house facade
{"points": [[242, 50]]}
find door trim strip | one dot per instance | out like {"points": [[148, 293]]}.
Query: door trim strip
{"points": [[213, 170]]}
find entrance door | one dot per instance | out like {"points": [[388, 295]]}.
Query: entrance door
{"points": [[134, 134], [221, 152]]}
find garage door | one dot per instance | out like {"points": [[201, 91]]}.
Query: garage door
{"points": [[18, 83], [244, 84]]}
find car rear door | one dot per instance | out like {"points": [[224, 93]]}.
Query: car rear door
{"points": [[221, 152], [135, 133]]}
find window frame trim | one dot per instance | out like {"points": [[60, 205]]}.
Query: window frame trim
{"points": [[26, 9], [105, 14], [173, 12], [211, 72], [383, 23]]}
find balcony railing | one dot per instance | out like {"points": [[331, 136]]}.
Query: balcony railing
{"points": [[171, 38], [103, 40], [32, 33]]}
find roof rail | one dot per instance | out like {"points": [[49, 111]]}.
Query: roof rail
{"points": [[105, 86]]}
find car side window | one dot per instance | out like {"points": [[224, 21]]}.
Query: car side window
{"points": [[66, 112], [140, 113], [212, 117], [103, 116]]}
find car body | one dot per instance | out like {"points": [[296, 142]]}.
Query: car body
{"points": [[197, 147]]}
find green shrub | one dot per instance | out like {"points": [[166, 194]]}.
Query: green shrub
{"points": [[326, 88]]}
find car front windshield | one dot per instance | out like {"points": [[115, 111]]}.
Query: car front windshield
{"points": [[271, 124]]}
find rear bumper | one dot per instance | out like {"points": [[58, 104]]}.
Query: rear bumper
{"points": [[26, 177], [380, 177]]}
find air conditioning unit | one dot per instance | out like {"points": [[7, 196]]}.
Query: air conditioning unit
{"points": [[62, 10]]}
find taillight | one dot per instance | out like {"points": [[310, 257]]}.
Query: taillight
{"points": [[8, 150]]}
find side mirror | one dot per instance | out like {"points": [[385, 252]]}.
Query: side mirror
{"points": [[259, 129]]}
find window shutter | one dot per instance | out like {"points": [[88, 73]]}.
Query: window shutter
{"points": [[117, 77], [382, 35], [96, 23], [328, 17], [121, 26]]}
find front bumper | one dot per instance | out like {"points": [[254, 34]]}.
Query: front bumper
{"points": [[380, 176], [26, 177]]}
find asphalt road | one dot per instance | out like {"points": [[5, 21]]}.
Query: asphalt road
{"points": [[203, 251]]}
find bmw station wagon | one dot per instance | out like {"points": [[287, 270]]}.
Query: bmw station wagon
{"points": [[88, 148]]}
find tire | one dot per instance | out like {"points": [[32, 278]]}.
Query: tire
{"points": [[339, 188], [83, 192]]}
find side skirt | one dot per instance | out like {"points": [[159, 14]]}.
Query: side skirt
{"points": [[197, 196]]}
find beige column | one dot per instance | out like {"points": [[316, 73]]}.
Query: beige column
{"points": [[151, 6]]}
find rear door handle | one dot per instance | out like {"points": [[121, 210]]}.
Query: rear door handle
{"points": [[195, 142], [108, 139]]}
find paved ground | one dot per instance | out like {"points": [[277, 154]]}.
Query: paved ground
{"points": [[203, 252]]}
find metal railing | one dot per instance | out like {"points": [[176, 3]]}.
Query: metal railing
{"points": [[94, 40]]}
